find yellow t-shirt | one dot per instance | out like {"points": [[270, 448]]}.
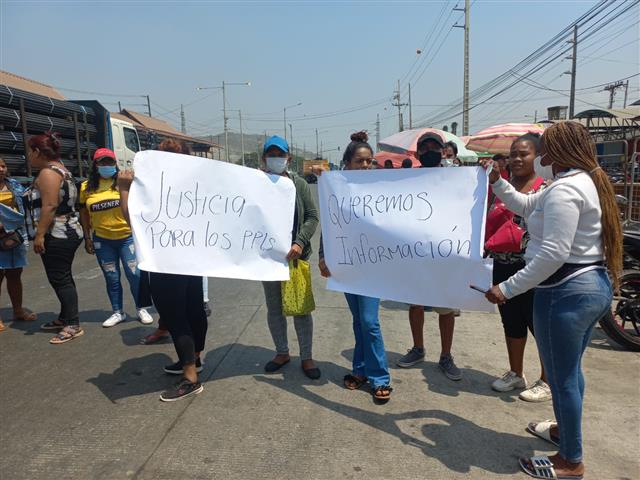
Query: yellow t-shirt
{"points": [[6, 198], [103, 206]]}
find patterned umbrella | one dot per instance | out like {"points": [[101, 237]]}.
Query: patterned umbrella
{"points": [[498, 139], [404, 144]]}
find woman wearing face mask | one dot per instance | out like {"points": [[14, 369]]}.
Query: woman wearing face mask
{"points": [[275, 160], [107, 234], [517, 312], [575, 237], [369, 356]]}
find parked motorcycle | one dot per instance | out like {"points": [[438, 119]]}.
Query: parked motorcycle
{"points": [[622, 323]]}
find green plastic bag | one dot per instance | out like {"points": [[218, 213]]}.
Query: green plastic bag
{"points": [[297, 294]]}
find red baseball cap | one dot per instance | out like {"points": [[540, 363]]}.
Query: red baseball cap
{"points": [[103, 152]]}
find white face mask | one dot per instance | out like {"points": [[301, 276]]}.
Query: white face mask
{"points": [[276, 164], [543, 171]]}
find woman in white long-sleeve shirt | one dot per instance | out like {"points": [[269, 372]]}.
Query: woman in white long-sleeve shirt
{"points": [[575, 236]]}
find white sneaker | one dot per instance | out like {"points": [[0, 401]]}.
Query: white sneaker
{"points": [[114, 319], [508, 382], [144, 316], [538, 392]]}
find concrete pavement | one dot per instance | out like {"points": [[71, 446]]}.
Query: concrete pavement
{"points": [[89, 409]]}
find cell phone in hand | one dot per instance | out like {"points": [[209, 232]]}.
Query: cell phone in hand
{"points": [[478, 289]]}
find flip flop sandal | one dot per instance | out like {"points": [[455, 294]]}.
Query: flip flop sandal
{"points": [[153, 338], [28, 316], [542, 467], [53, 325], [543, 430], [67, 334], [351, 382], [379, 392]]}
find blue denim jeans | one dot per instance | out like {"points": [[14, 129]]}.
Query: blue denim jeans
{"points": [[369, 356], [563, 319], [110, 253]]}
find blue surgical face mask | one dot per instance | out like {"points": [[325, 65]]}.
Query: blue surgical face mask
{"points": [[107, 171]]}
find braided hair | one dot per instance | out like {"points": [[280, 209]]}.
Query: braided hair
{"points": [[358, 140], [569, 145]]}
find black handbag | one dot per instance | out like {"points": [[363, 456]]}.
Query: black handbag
{"points": [[10, 240]]}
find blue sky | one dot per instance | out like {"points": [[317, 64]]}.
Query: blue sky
{"points": [[331, 56]]}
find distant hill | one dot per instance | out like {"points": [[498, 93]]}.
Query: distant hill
{"points": [[252, 144]]}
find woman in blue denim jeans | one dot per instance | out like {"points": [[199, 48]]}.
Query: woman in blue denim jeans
{"points": [[575, 237], [111, 241], [369, 356]]}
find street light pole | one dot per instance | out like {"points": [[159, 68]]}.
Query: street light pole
{"points": [[241, 136], [224, 114], [224, 110], [284, 114]]}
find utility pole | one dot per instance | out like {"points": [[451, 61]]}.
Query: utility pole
{"points": [[612, 87], [183, 123], [317, 150], [396, 97], [291, 136], [465, 86], [574, 58], [224, 114], [377, 130], [120, 106], [410, 114], [149, 105], [626, 91], [241, 137]]}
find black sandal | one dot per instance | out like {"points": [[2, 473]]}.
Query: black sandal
{"points": [[53, 325], [351, 382], [379, 392]]}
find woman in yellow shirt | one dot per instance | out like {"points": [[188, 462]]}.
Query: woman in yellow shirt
{"points": [[108, 235], [12, 261]]}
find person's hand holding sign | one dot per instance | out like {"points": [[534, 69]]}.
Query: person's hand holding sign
{"points": [[494, 173], [495, 296], [324, 270]]}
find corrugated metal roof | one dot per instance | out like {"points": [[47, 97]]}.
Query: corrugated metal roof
{"points": [[629, 113], [16, 81], [144, 121]]}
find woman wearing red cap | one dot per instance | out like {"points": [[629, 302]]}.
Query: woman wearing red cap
{"points": [[52, 207], [108, 235]]}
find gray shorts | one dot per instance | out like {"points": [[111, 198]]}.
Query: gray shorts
{"points": [[441, 310]]}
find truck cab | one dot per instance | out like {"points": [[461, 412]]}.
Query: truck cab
{"points": [[125, 142]]}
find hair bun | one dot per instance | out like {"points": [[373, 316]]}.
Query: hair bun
{"points": [[53, 138], [361, 136]]}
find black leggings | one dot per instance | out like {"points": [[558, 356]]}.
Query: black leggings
{"points": [[179, 301], [57, 261], [517, 313]]}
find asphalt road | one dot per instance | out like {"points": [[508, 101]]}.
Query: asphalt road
{"points": [[89, 409]]}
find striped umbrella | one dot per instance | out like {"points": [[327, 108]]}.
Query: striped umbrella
{"points": [[405, 144], [498, 139]]}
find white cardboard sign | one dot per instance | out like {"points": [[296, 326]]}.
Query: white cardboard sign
{"points": [[409, 235], [195, 216]]}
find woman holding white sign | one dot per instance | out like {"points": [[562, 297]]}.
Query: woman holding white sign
{"points": [[575, 237], [369, 356], [275, 160], [179, 301]]}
